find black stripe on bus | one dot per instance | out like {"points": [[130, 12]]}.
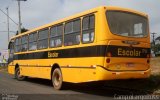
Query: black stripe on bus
{"points": [[90, 51], [128, 51]]}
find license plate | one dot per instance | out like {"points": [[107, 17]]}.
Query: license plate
{"points": [[130, 64]]}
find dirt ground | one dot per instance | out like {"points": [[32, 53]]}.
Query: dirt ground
{"points": [[155, 73], [155, 65]]}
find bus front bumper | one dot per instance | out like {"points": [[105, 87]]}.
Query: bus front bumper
{"points": [[11, 69]]}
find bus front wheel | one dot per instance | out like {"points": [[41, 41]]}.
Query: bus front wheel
{"points": [[57, 79], [18, 76]]}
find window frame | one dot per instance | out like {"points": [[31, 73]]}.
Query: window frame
{"points": [[26, 43], [89, 29], [126, 12], [18, 46], [47, 38], [73, 32], [55, 37], [11, 46], [34, 41]]}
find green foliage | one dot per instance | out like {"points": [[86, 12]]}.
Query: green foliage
{"points": [[22, 30]]}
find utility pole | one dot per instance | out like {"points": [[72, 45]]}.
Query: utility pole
{"points": [[19, 16], [154, 43], [8, 23]]}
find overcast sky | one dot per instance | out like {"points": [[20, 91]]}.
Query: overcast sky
{"points": [[39, 12]]}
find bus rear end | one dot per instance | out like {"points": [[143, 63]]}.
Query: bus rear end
{"points": [[127, 54]]}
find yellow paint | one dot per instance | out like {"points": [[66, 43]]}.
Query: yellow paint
{"points": [[81, 69]]}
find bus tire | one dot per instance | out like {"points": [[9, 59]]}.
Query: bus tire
{"points": [[57, 79], [18, 76]]}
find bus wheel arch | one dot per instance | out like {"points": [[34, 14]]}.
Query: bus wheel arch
{"points": [[17, 73], [16, 66], [56, 77]]}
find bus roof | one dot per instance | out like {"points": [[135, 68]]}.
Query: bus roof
{"points": [[79, 15]]}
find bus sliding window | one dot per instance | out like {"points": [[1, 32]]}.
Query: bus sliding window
{"points": [[72, 32], [18, 45], [24, 43], [43, 39], [56, 36], [88, 29], [33, 41]]}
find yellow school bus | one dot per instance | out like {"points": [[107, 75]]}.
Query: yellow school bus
{"points": [[103, 43]]}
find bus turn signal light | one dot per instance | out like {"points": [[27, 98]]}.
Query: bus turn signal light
{"points": [[108, 60]]}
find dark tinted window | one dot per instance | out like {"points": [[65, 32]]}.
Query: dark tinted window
{"points": [[11, 50], [11, 46], [43, 34], [76, 25], [127, 24], [56, 36], [85, 23], [88, 29], [43, 39], [68, 27], [18, 45], [33, 37], [72, 32], [33, 41], [24, 45]]}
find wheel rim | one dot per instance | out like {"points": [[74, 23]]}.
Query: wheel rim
{"points": [[18, 74], [57, 79]]}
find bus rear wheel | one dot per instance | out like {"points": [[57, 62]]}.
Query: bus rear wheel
{"points": [[57, 79], [18, 76]]}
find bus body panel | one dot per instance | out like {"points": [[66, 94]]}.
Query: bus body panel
{"points": [[103, 74], [11, 69], [72, 72], [127, 57], [76, 68]]}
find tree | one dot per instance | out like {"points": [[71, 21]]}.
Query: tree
{"points": [[22, 30], [156, 47], [158, 38]]}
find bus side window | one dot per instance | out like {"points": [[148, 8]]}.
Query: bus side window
{"points": [[33, 41], [11, 51], [56, 36], [11, 48], [88, 26], [18, 45], [43, 39], [72, 32], [24, 43]]}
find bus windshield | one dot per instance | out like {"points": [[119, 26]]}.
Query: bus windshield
{"points": [[127, 24]]}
